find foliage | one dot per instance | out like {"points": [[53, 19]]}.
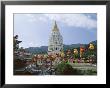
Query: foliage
{"points": [[65, 69], [16, 42], [88, 72]]}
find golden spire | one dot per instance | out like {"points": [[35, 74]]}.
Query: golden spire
{"points": [[55, 28]]}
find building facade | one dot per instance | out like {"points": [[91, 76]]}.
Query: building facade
{"points": [[55, 45]]}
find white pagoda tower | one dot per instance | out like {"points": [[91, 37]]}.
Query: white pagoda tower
{"points": [[55, 41]]}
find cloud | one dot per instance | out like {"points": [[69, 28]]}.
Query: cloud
{"points": [[74, 20], [71, 20], [30, 17], [36, 17], [42, 19]]}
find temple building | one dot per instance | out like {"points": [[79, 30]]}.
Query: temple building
{"points": [[55, 41]]}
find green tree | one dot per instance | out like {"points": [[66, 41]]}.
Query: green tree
{"points": [[64, 69], [16, 42]]}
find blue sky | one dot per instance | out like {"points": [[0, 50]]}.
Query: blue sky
{"points": [[34, 29]]}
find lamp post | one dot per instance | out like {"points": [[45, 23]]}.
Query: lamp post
{"points": [[82, 49], [62, 55], [91, 48], [52, 58], [68, 54], [45, 57]]}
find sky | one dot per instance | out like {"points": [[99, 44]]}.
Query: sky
{"points": [[34, 29]]}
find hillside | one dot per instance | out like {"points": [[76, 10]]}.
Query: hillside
{"points": [[44, 49]]}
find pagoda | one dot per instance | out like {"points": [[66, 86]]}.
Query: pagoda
{"points": [[55, 45]]}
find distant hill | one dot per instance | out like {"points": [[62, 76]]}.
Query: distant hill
{"points": [[65, 47], [44, 49], [94, 42], [37, 50]]}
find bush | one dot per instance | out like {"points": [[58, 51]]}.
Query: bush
{"points": [[66, 69], [90, 72]]}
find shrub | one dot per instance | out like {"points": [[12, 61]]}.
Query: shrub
{"points": [[66, 69]]}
